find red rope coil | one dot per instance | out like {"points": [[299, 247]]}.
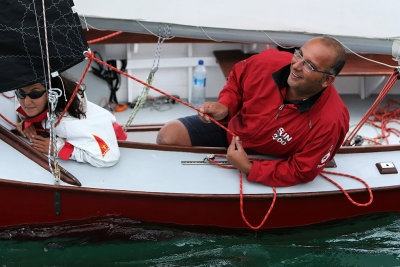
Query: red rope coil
{"points": [[389, 84]]}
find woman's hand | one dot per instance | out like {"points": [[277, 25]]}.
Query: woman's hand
{"points": [[215, 110], [238, 157], [28, 132], [41, 144]]}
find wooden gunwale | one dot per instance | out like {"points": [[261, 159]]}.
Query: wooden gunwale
{"points": [[157, 127], [34, 155]]}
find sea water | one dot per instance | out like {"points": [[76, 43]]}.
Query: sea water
{"points": [[365, 241]]}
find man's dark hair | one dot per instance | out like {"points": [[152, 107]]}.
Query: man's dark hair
{"points": [[340, 60]]}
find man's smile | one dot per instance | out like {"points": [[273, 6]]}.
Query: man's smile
{"points": [[295, 76]]}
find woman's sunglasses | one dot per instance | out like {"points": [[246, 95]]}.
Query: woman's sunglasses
{"points": [[32, 95]]}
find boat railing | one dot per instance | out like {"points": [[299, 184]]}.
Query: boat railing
{"points": [[222, 150]]}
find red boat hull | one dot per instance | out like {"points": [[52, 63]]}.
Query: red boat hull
{"points": [[23, 203]]}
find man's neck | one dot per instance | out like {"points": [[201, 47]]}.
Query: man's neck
{"points": [[292, 95]]}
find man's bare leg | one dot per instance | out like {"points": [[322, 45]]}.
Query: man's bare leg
{"points": [[174, 133]]}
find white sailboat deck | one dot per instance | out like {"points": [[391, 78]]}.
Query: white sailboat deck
{"points": [[162, 171]]}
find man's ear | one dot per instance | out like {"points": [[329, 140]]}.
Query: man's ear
{"points": [[328, 81]]}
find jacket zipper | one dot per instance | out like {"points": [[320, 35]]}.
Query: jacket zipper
{"points": [[279, 111]]}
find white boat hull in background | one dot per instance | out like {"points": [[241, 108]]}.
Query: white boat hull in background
{"points": [[370, 27]]}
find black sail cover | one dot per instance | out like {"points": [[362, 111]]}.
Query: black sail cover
{"points": [[23, 59]]}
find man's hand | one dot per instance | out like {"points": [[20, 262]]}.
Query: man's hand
{"points": [[238, 157], [41, 144], [215, 110], [29, 132]]}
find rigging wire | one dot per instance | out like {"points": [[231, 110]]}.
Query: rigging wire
{"points": [[52, 96], [89, 26], [40, 42], [158, 35], [269, 37], [52, 145], [345, 46], [275, 42], [365, 58], [164, 33], [208, 36]]}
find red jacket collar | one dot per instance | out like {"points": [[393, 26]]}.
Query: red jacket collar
{"points": [[36, 119], [280, 78]]}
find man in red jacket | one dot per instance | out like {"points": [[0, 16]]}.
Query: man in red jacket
{"points": [[279, 104]]}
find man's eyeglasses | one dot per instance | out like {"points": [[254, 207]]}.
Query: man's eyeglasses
{"points": [[32, 95], [306, 65]]}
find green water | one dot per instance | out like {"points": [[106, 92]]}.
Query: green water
{"points": [[365, 241]]}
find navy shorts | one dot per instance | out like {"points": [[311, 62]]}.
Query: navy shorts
{"points": [[204, 134]]}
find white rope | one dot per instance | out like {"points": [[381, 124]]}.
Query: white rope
{"points": [[275, 42], [269, 37], [84, 18], [141, 24], [40, 41], [365, 58], [46, 44], [88, 26], [208, 36], [52, 102], [63, 86], [345, 46], [157, 35]]}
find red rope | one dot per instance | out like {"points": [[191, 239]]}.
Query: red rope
{"points": [[389, 84], [1, 115], [383, 116], [345, 192], [6, 96], [104, 37], [161, 92], [77, 86], [372, 141], [241, 206], [241, 194]]}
